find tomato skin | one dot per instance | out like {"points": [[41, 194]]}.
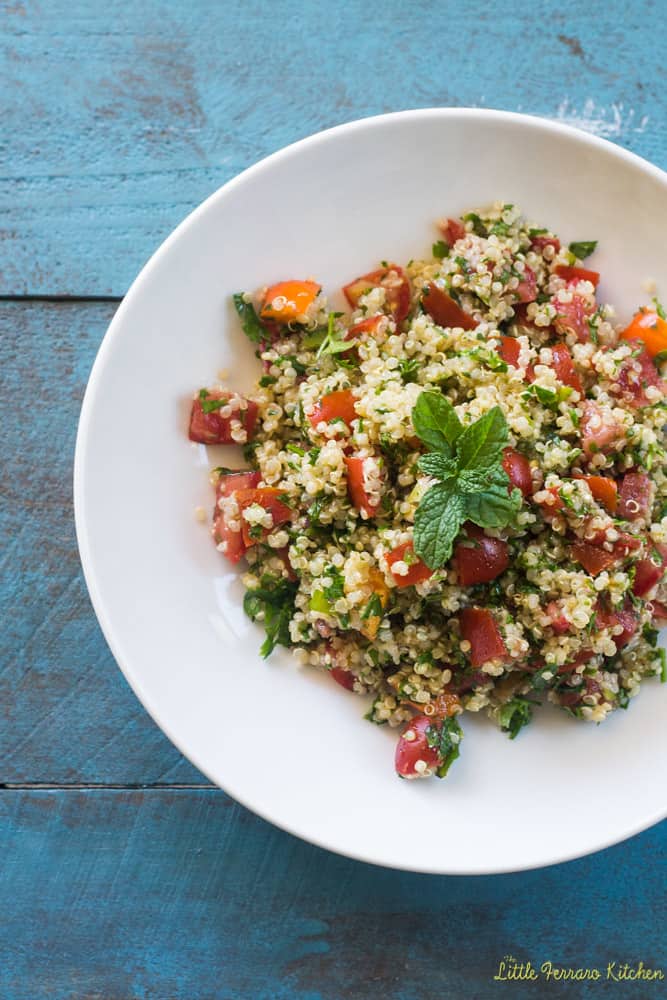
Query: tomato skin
{"points": [[397, 289], [517, 468], [266, 497], [635, 496], [574, 274], [559, 622], [625, 617], [650, 328], [481, 562], [355, 485], [509, 351], [234, 546], [452, 230], [343, 677], [298, 296], [335, 405], [538, 243], [593, 558], [228, 482], [604, 490], [564, 368], [365, 327], [526, 290], [418, 571], [650, 570], [211, 428], [479, 628], [443, 310], [408, 752], [571, 317], [633, 384]]}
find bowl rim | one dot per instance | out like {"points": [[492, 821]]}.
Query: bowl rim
{"points": [[94, 585]]}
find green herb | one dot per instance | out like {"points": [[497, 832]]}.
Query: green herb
{"points": [[250, 323], [273, 604], [267, 380], [478, 226], [223, 470], [537, 232], [333, 343], [513, 716], [499, 228], [488, 358], [440, 250], [473, 484], [373, 609], [319, 602], [336, 588], [659, 309], [445, 737], [408, 368], [462, 263], [583, 249], [209, 403], [294, 449], [542, 297]]}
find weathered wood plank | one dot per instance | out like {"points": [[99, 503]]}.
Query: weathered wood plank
{"points": [[66, 713], [117, 118], [182, 894]]}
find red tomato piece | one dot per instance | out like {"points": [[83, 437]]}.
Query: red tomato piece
{"points": [[574, 274], [650, 570], [509, 351], [584, 657], [343, 677], [572, 316], [228, 482], [337, 405], [517, 468], [659, 613], [650, 329], [482, 561], [570, 698], [564, 367], [526, 290], [212, 428], [633, 383], [452, 230], [598, 431], [443, 310], [418, 571], [625, 618], [538, 243], [395, 283], [635, 498], [559, 622], [604, 490], [355, 485], [413, 746], [365, 327], [593, 558], [266, 497], [232, 540], [479, 628]]}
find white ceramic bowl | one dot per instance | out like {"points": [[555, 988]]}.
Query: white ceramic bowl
{"points": [[288, 743]]}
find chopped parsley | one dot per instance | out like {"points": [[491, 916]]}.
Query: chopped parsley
{"points": [[250, 323], [272, 603], [445, 737], [513, 716]]}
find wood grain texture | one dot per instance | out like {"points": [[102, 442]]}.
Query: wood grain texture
{"points": [[173, 894], [66, 713], [118, 118]]}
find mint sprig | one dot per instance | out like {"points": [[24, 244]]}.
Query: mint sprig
{"points": [[472, 484]]}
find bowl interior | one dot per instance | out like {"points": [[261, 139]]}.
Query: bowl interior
{"points": [[288, 743]]}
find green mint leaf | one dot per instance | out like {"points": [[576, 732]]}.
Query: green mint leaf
{"points": [[250, 323], [435, 464], [513, 716], [437, 522], [440, 250], [482, 442], [583, 249], [494, 507], [435, 422]]}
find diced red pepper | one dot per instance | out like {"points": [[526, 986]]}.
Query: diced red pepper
{"points": [[510, 349], [633, 384], [517, 468], [650, 328], [395, 283], [564, 368], [268, 498], [479, 628], [418, 571], [211, 428], [452, 230], [574, 274], [482, 561], [337, 405], [598, 431], [538, 243], [355, 485], [526, 290], [443, 310], [635, 497], [413, 746], [571, 317], [604, 490]]}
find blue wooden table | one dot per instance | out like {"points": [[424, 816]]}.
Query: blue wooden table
{"points": [[123, 873]]}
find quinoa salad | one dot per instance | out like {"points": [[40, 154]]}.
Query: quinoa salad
{"points": [[455, 490]]}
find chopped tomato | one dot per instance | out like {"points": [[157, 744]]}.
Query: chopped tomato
{"points": [[593, 558], [559, 622], [604, 490], [580, 658], [418, 571], [479, 628], [443, 310], [355, 485], [461, 683], [571, 697], [483, 560], [445, 705], [650, 328], [517, 468], [635, 497], [268, 498], [343, 677], [395, 283], [526, 290], [659, 613], [231, 540], [572, 316], [598, 430], [574, 274], [366, 327], [538, 243], [510, 349], [207, 426], [288, 301], [228, 482], [650, 570], [337, 405], [284, 555], [635, 376], [549, 509], [452, 230], [625, 618], [564, 368], [413, 746]]}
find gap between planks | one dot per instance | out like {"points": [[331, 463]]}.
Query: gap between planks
{"points": [[41, 786], [67, 299]]}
